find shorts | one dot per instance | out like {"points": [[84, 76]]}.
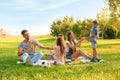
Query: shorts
{"points": [[94, 45], [68, 55]]}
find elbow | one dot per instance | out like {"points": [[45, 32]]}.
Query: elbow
{"points": [[92, 36], [73, 47], [19, 54]]}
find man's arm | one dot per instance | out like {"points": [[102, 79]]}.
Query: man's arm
{"points": [[21, 51], [41, 45]]}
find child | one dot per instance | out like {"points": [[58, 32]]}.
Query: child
{"points": [[93, 39], [59, 54]]}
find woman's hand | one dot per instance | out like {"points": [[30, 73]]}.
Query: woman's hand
{"points": [[80, 41], [83, 38]]}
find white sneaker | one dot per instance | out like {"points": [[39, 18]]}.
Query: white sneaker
{"points": [[20, 62], [59, 63]]}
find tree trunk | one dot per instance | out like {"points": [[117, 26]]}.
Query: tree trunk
{"points": [[116, 34], [102, 33]]}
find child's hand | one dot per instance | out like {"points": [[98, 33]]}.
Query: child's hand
{"points": [[83, 38]]}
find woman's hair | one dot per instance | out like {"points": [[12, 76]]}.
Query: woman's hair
{"points": [[69, 39], [61, 43]]}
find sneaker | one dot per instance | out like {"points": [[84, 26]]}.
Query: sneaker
{"points": [[20, 62], [102, 61], [72, 62], [28, 60], [94, 60]]}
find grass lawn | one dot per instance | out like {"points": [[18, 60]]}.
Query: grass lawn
{"points": [[107, 49]]}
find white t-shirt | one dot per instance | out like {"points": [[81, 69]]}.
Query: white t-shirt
{"points": [[67, 47]]}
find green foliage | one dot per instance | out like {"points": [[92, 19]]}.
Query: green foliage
{"points": [[62, 26], [109, 34], [77, 28], [106, 23], [114, 7], [108, 18], [80, 28]]}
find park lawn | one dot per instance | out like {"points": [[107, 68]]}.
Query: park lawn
{"points": [[107, 49]]}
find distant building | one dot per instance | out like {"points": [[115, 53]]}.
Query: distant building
{"points": [[2, 32]]}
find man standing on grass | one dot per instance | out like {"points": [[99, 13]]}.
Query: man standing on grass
{"points": [[27, 47]]}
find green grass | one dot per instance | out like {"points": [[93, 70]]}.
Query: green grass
{"points": [[107, 49]]}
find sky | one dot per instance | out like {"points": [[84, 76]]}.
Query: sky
{"points": [[38, 15]]}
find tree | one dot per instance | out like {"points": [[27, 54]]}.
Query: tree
{"points": [[77, 29], [80, 28], [103, 18], [114, 7], [62, 26]]}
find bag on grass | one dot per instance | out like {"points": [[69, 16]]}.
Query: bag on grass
{"points": [[49, 56]]}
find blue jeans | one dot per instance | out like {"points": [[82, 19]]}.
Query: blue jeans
{"points": [[35, 57], [68, 55]]}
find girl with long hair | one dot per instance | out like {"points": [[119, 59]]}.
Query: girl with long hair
{"points": [[60, 53]]}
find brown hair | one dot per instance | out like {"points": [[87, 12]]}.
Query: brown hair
{"points": [[68, 37], [23, 31], [61, 43], [95, 22]]}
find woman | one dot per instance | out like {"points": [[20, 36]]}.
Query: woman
{"points": [[71, 45]]}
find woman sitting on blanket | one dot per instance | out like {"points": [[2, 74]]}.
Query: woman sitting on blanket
{"points": [[60, 52], [71, 45]]}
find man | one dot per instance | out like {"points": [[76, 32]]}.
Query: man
{"points": [[27, 47]]}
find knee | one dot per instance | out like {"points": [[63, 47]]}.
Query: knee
{"points": [[94, 49], [25, 54], [40, 54], [78, 51]]}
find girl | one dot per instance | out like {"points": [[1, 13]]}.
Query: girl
{"points": [[71, 45], [59, 54]]}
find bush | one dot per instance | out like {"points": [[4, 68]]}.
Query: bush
{"points": [[109, 34]]}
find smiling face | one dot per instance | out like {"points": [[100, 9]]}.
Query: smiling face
{"points": [[72, 35], [26, 34], [95, 23]]}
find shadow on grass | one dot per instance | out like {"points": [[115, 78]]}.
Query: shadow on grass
{"points": [[103, 45]]}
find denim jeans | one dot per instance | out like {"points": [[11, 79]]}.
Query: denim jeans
{"points": [[68, 55], [33, 57]]}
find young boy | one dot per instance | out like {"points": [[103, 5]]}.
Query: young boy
{"points": [[93, 39]]}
